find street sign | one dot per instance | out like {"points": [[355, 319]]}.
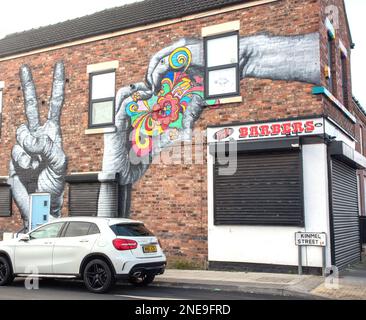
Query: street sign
{"points": [[316, 239]]}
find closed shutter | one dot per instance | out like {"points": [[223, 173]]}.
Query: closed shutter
{"points": [[83, 199], [5, 201], [345, 218], [265, 190]]}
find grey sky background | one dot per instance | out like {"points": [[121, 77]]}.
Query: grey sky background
{"points": [[20, 15]]}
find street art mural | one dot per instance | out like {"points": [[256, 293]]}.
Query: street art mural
{"points": [[171, 99], [149, 116], [38, 162]]}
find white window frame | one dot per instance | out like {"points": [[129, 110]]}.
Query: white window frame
{"points": [[221, 67], [105, 99]]}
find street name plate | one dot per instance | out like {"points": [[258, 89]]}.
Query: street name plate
{"points": [[316, 239]]}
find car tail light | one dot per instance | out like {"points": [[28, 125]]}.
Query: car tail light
{"points": [[124, 244]]}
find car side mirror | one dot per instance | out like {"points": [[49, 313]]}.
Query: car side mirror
{"points": [[24, 237]]}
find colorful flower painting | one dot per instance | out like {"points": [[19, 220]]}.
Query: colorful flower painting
{"points": [[164, 111]]}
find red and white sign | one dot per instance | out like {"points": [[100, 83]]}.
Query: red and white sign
{"points": [[281, 129]]}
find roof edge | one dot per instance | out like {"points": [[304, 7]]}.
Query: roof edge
{"points": [[131, 29]]}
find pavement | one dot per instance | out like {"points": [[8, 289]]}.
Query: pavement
{"points": [[350, 284], [281, 285]]}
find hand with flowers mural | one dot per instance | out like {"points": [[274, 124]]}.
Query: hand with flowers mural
{"points": [[153, 115]]}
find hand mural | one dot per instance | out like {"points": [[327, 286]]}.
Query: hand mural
{"points": [[153, 115], [38, 154], [149, 116]]}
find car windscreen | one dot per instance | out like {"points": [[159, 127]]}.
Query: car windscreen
{"points": [[131, 230]]}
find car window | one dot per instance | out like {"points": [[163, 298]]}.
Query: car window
{"points": [[77, 229], [93, 229], [131, 230], [47, 232]]}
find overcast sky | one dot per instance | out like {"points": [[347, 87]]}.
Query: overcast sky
{"points": [[19, 15]]}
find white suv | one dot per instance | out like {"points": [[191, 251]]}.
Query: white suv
{"points": [[97, 250]]}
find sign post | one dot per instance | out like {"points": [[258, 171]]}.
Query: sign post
{"points": [[311, 239]]}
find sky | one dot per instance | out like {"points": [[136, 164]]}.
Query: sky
{"points": [[20, 15]]}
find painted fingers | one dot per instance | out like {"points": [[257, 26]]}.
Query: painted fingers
{"points": [[30, 98], [57, 97]]}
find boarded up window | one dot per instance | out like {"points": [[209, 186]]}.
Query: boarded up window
{"points": [[5, 201], [265, 190], [85, 199]]}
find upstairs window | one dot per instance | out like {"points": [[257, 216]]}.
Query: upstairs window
{"points": [[222, 65], [329, 68], [361, 139], [329, 71], [344, 65], [102, 99]]}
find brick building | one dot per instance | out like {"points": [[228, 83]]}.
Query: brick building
{"points": [[90, 104]]}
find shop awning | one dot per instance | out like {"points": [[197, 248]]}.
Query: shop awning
{"points": [[344, 152]]}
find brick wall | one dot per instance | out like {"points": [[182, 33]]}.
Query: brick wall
{"points": [[335, 11], [171, 199]]}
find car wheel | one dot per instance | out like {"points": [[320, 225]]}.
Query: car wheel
{"points": [[141, 280], [98, 276], [6, 274]]}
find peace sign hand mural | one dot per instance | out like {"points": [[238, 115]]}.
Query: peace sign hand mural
{"points": [[38, 162]]}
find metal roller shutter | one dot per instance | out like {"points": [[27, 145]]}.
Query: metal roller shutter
{"points": [[84, 199], [265, 190], [5, 201], [345, 218]]}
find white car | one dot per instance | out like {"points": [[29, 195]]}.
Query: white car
{"points": [[97, 250]]}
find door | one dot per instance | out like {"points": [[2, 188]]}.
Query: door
{"points": [[75, 244], [345, 218], [40, 209], [35, 255]]}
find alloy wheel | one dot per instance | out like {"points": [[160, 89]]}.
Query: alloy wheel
{"points": [[96, 276], [3, 271]]}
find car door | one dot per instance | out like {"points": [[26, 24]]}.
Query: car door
{"points": [[35, 255], [75, 244]]}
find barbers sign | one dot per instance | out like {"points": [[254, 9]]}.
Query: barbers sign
{"points": [[267, 130]]}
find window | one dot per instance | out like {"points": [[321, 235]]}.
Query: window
{"points": [[93, 229], [222, 66], [361, 140], [344, 80], [131, 230], [102, 98], [5, 201], [79, 229], [47, 232], [329, 73]]}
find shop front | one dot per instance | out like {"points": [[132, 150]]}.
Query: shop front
{"points": [[268, 181]]}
